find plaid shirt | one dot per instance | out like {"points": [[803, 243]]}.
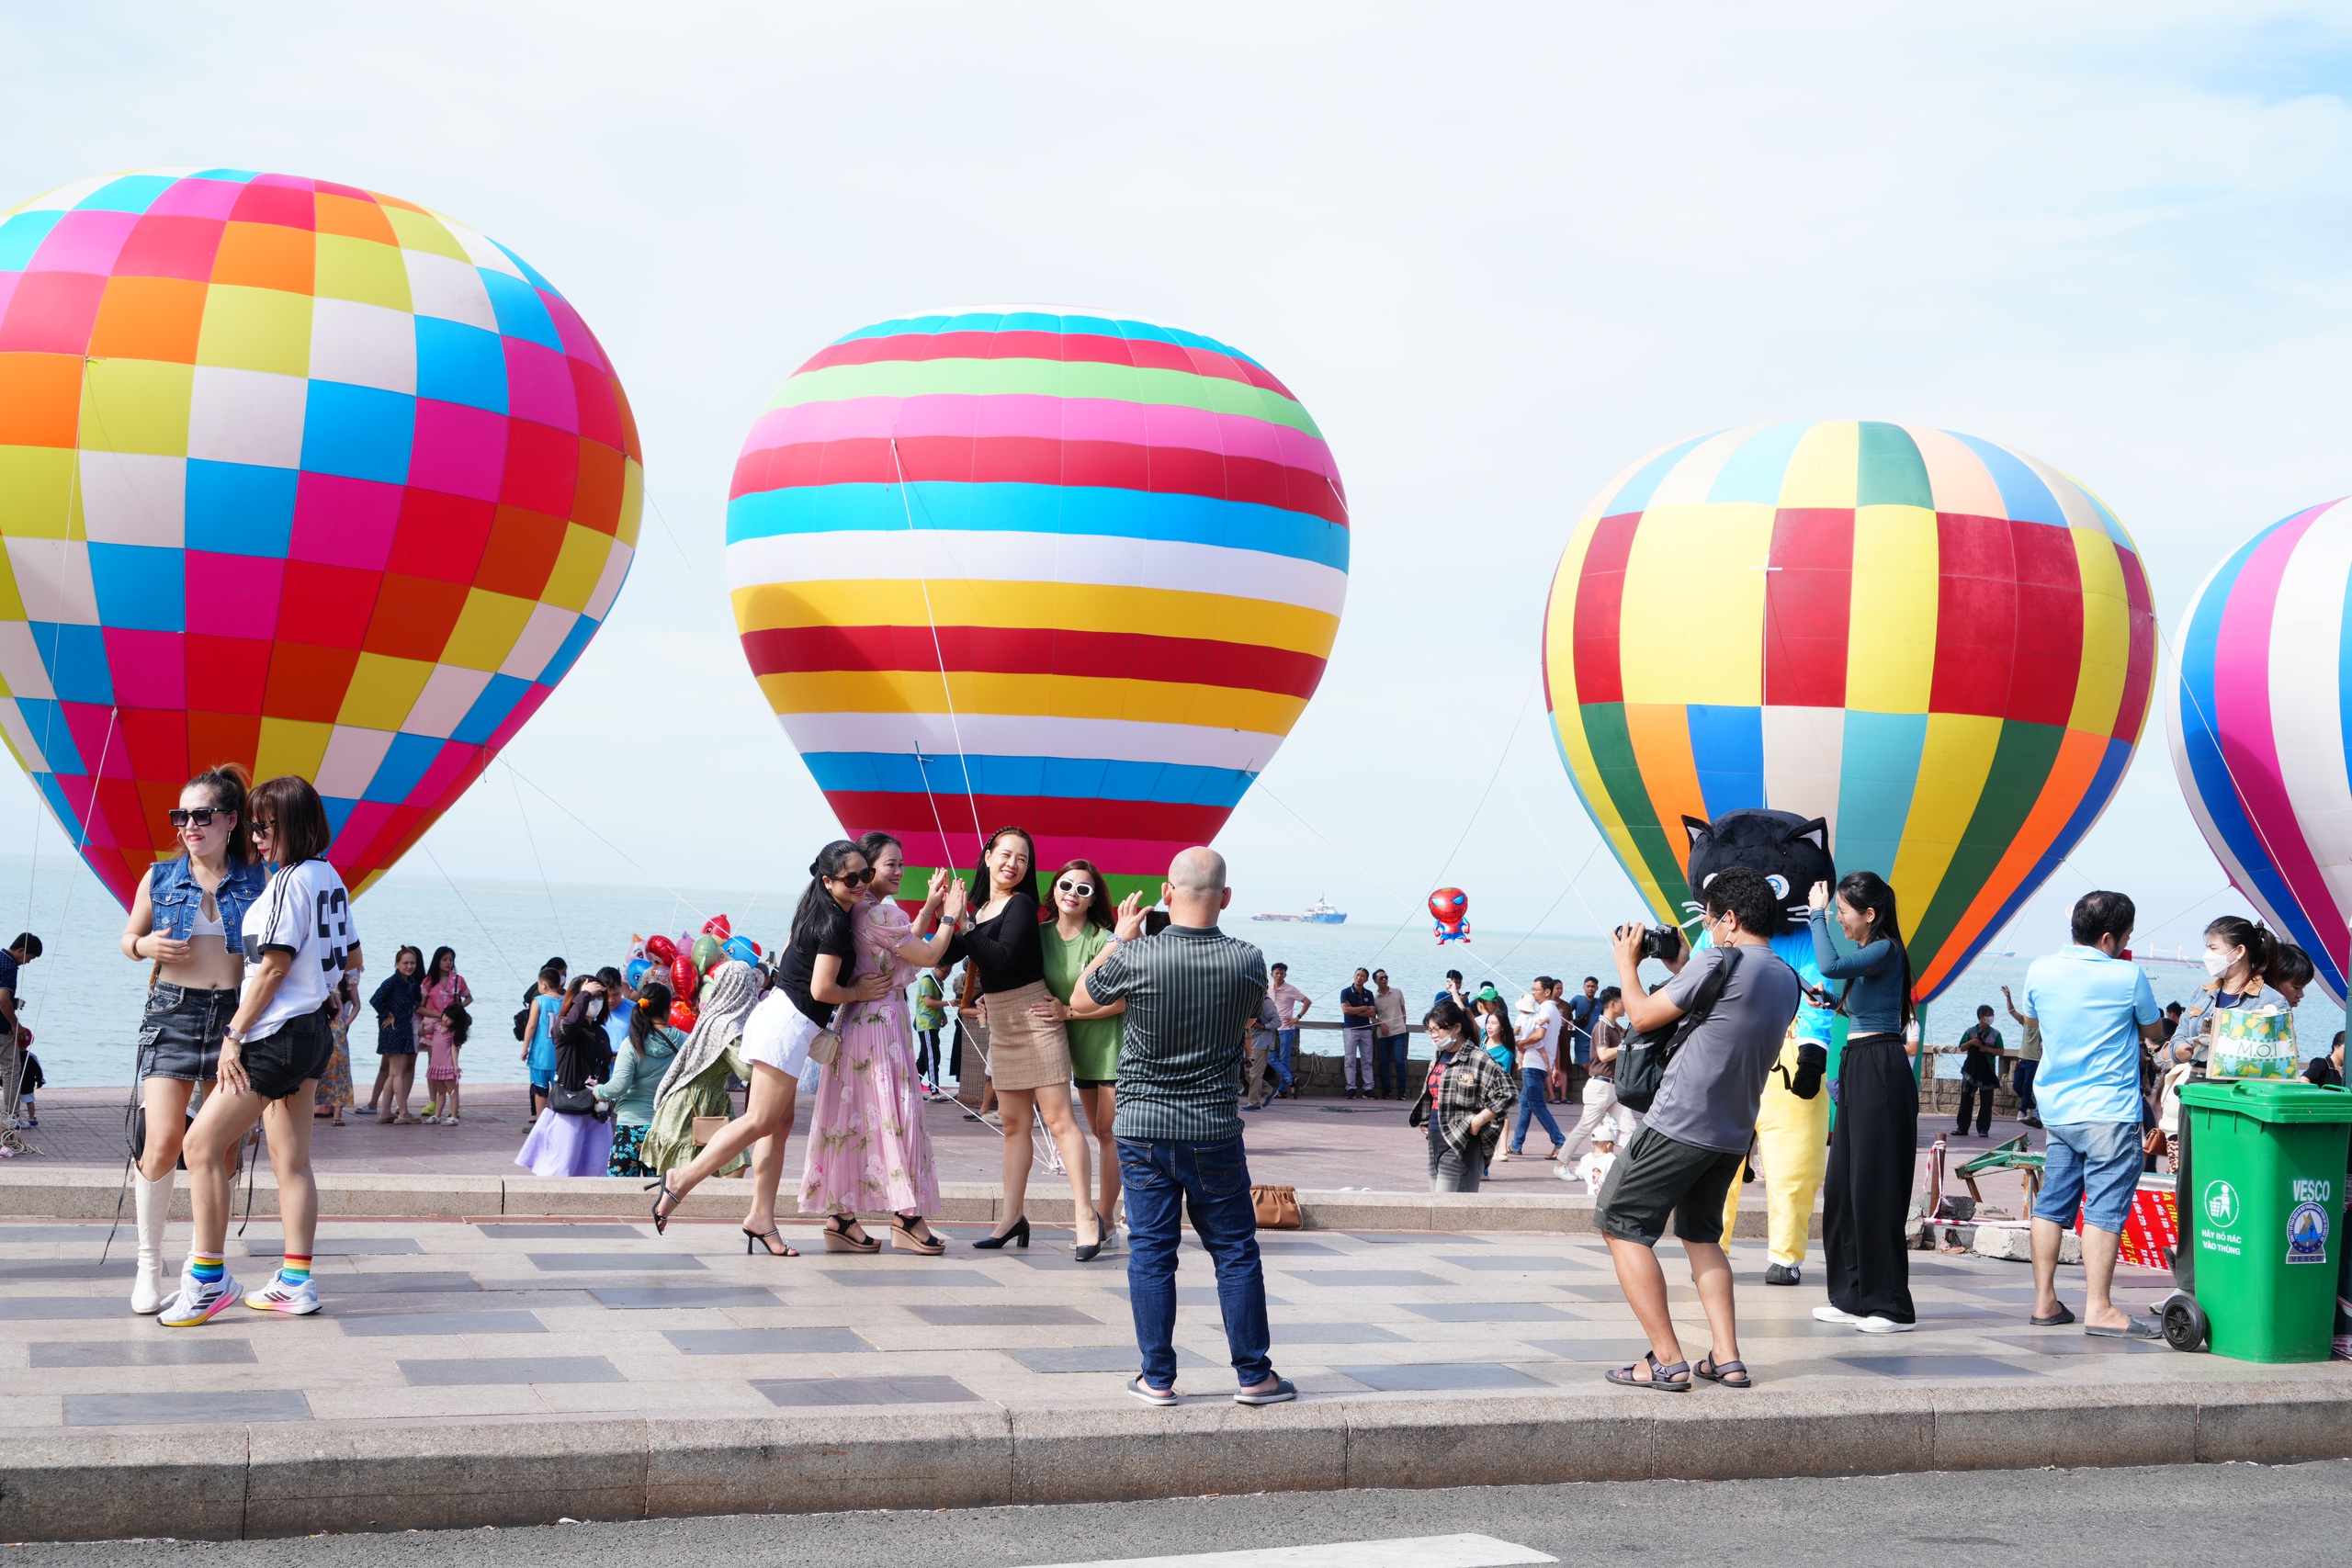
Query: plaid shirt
{"points": [[1471, 1082]]}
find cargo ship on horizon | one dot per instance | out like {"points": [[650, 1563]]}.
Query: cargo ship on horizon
{"points": [[1319, 913]]}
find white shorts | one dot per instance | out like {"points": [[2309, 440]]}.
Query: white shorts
{"points": [[779, 1035]]}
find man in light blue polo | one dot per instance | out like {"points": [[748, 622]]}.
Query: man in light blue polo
{"points": [[2094, 1008]]}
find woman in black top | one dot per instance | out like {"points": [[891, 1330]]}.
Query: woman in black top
{"points": [[583, 1051], [1028, 1050], [396, 1001]]}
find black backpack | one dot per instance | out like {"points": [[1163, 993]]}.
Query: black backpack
{"points": [[1641, 1060]]}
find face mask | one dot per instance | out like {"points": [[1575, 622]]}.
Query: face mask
{"points": [[2218, 964]]}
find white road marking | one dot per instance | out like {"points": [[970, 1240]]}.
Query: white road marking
{"points": [[1406, 1551]]}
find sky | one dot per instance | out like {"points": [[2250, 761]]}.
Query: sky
{"points": [[1498, 252]]}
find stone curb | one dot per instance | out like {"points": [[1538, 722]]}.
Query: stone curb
{"points": [[83, 1195], [265, 1480]]}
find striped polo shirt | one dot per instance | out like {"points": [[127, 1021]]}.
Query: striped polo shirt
{"points": [[1190, 991]]}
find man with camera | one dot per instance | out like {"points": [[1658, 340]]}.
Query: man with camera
{"points": [[1687, 1154]]}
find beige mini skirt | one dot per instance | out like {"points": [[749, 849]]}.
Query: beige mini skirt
{"points": [[1024, 1051]]}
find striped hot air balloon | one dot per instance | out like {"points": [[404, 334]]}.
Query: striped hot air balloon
{"points": [[1940, 646], [2259, 727], [1024, 565]]}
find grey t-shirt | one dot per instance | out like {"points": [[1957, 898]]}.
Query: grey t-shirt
{"points": [[1717, 1081]]}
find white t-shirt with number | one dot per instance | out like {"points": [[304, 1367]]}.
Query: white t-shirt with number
{"points": [[305, 911]]}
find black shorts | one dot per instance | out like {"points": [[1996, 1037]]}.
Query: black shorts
{"points": [[180, 1035], [277, 1064], [1093, 1083], [1655, 1177]]}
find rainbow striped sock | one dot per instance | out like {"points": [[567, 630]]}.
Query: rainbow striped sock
{"points": [[205, 1268], [296, 1268]]}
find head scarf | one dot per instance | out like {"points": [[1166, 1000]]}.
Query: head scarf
{"points": [[734, 991]]}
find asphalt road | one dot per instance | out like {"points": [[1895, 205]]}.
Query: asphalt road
{"points": [[2275, 1515]]}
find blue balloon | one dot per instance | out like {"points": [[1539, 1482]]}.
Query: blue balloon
{"points": [[635, 973], [740, 949]]}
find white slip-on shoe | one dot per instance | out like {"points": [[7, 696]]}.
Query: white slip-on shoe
{"points": [[1832, 1314], [1877, 1324]]}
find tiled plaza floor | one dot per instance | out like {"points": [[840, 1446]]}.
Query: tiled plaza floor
{"points": [[499, 1320], [1320, 1143]]}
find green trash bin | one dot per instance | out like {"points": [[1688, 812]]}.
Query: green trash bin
{"points": [[2265, 1219]]}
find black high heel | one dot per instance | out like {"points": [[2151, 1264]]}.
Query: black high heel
{"points": [[759, 1239], [1087, 1254], [661, 1219], [1018, 1236]]}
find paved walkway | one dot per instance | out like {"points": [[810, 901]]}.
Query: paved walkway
{"points": [[1316, 1145], [449, 1319]]}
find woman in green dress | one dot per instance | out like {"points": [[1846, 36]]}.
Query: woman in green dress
{"points": [[711, 1055], [1079, 938]]}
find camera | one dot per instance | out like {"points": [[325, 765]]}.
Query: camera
{"points": [[1661, 943]]}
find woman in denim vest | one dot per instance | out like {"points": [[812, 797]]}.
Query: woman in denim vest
{"points": [[187, 922]]}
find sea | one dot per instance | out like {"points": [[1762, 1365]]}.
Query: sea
{"points": [[83, 999]]}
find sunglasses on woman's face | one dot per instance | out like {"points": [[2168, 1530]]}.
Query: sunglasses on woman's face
{"points": [[1076, 890], [856, 878], [201, 816], [262, 830]]}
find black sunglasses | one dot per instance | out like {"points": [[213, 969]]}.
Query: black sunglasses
{"points": [[257, 827], [856, 878], [201, 816]]}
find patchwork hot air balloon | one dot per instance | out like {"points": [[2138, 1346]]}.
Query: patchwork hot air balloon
{"points": [[1033, 566], [294, 475], [2259, 729], [1941, 647]]}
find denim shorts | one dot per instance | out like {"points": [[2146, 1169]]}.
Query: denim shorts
{"points": [[2093, 1166], [180, 1035]]}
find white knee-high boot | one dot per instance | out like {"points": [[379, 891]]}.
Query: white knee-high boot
{"points": [[154, 1199]]}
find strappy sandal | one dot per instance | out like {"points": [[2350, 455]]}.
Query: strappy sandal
{"points": [[1661, 1378], [767, 1241], [904, 1239], [661, 1220], [1731, 1374], [838, 1239]]}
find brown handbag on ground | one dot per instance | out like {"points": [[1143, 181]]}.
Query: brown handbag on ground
{"points": [[1277, 1208]]}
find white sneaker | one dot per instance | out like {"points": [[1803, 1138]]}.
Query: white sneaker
{"points": [[295, 1300], [448, 1121], [198, 1303], [1832, 1314], [1876, 1324]]}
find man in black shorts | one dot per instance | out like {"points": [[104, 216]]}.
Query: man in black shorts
{"points": [[1688, 1153]]}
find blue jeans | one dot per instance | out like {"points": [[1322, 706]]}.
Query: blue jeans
{"points": [[1532, 1106], [2091, 1165], [1289, 1055], [1161, 1181]]}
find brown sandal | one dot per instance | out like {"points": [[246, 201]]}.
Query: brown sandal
{"points": [[903, 1240], [838, 1237]]}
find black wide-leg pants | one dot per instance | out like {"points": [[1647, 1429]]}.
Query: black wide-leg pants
{"points": [[1866, 1196]]}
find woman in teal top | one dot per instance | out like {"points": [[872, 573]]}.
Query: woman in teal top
{"points": [[1076, 941], [637, 1073], [1873, 1143]]}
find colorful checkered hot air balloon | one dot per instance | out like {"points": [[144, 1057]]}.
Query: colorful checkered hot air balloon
{"points": [[294, 475], [1940, 646], [2256, 704], [1024, 565]]}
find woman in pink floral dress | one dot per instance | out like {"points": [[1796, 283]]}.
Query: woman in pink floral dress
{"points": [[867, 1147]]}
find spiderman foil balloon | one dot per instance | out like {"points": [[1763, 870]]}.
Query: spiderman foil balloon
{"points": [[1450, 907]]}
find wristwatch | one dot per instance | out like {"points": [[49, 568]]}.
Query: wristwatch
{"points": [[232, 1036]]}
